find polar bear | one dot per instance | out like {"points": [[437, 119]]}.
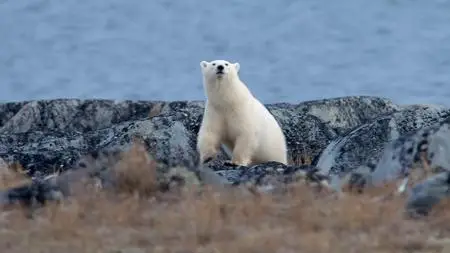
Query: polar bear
{"points": [[233, 118]]}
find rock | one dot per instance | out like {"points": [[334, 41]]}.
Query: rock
{"points": [[272, 176], [5, 171], [310, 126], [43, 189], [364, 145], [425, 150], [51, 135], [427, 194], [135, 168], [83, 139], [405, 153], [69, 115], [53, 140], [35, 194]]}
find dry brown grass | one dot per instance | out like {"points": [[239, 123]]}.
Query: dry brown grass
{"points": [[300, 158], [136, 172], [300, 221], [12, 176]]}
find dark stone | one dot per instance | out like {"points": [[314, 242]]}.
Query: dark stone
{"points": [[427, 194], [271, 175]]}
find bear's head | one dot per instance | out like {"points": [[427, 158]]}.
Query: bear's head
{"points": [[219, 69]]}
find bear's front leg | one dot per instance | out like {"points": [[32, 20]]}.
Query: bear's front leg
{"points": [[207, 145], [243, 151]]}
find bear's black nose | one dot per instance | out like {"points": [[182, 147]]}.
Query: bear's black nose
{"points": [[220, 67]]}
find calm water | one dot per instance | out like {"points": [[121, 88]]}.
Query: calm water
{"points": [[288, 50]]}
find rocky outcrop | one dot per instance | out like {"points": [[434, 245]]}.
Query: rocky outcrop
{"points": [[342, 136], [364, 145], [55, 134], [430, 145], [310, 126], [421, 151]]}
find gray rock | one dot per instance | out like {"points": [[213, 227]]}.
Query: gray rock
{"points": [[404, 154], [4, 169], [427, 194], [35, 194], [51, 135], [53, 140], [69, 115], [43, 189], [310, 126], [351, 134], [272, 176], [364, 145]]}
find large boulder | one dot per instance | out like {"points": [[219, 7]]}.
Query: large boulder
{"points": [[420, 156], [310, 126], [427, 194], [364, 145], [55, 134], [426, 149]]}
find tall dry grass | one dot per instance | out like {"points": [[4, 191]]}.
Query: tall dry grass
{"points": [[302, 220]]}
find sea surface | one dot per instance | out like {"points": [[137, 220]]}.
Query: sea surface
{"points": [[289, 51]]}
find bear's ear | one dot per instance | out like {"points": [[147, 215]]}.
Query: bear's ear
{"points": [[204, 64], [237, 66]]}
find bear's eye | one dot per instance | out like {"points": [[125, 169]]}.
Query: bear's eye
{"points": [[226, 64], [214, 64]]}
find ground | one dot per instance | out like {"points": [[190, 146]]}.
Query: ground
{"points": [[142, 219]]}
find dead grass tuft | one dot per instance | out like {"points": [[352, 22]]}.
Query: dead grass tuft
{"points": [[12, 175], [300, 158], [136, 172]]}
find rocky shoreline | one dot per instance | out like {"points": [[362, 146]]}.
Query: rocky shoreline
{"points": [[362, 141]]}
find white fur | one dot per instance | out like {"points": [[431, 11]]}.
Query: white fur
{"points": [[234, 118]]}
